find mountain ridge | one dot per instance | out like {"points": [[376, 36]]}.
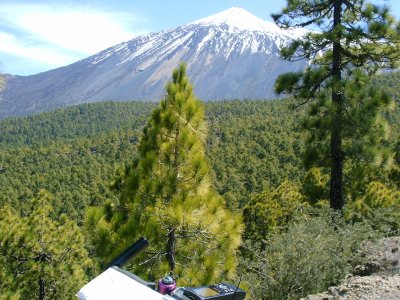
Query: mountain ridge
{"points": [[226, 60]]}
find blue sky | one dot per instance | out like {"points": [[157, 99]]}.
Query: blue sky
{"points": [[38, 35]]}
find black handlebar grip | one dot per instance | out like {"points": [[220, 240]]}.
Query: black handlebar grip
{"points": [[129, 253]]}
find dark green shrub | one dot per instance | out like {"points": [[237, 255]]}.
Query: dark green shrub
{"points": [[310, 256]]}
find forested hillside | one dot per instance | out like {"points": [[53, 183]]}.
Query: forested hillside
{"points": [[70, 157], [73, 152], [279, 197], [251, 145]]}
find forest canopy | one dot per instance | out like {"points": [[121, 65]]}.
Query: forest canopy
{"points": [[255, 150]]}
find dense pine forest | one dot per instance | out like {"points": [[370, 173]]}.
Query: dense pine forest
{"points": [[56, 165], [251, 145]]}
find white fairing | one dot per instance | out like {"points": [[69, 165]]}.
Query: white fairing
{"points": [[112, 284]]}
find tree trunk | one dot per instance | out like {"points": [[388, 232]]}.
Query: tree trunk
{"points": [[171, 249], [336, 183], [41, 289]]}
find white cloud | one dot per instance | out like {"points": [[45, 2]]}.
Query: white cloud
{"points": [[53, 57], [58, 35]]}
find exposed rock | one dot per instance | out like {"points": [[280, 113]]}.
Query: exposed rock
{"points": [[378, 278], [372, 287], [382, 258]]}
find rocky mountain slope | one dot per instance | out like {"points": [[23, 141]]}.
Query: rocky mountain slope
{"points": [[378, 278], [230, 55]]}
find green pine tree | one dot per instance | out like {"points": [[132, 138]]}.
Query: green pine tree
{"points": [[314, 187], [41, 258], [270, 211], [354, 40], [379, 206], [167, 196]]}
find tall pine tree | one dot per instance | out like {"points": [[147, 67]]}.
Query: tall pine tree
{"points": [[353, 40], [167, 196], [41, 258]]}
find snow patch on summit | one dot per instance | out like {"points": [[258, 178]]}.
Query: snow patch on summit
{"points": [[238, 19], [227, 32]]}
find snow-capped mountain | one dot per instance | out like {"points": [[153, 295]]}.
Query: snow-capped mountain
{"points": [[230, 55]]}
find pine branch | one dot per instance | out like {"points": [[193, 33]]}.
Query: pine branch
{"points": [[154, 257]]}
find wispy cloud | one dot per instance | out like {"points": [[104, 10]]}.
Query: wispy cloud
{"points": [[40, 53], [57, 35]]}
